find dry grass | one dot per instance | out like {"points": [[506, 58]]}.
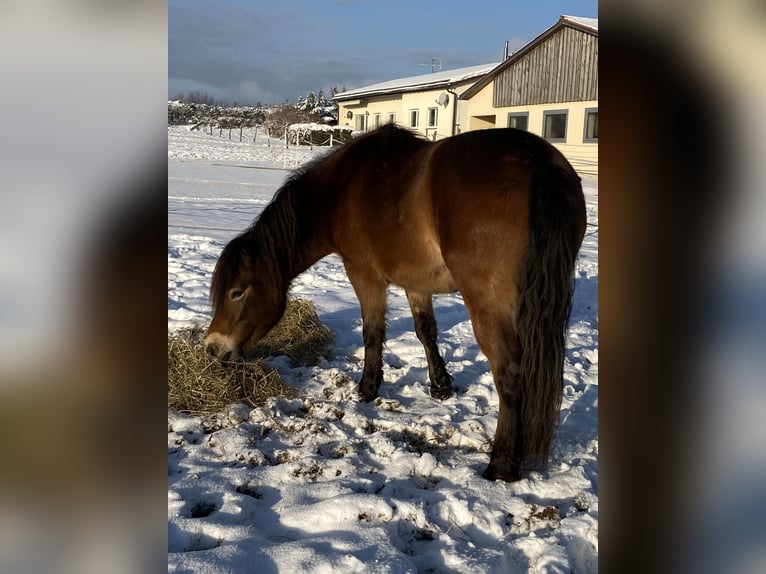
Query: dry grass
{"points": [[199, 384], [300, 335]]}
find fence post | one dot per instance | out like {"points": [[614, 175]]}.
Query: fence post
{"points": [[240, 133], [255, 135]]}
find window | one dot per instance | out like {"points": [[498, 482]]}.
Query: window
{"points": [[555, 125], [360, 122], [413, 118], [392, 118], [518, 120], [432, 117], [591, 125], [376, 121]]}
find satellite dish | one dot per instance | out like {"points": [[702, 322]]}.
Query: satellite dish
{"points": [[443, 99]]}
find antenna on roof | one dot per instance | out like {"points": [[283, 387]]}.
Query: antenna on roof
{"points": [[434, 64]]}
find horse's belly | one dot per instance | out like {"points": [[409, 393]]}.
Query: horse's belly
{"points": [[425, 274]]}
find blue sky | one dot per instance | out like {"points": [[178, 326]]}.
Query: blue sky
{"points": [[270, 51]]}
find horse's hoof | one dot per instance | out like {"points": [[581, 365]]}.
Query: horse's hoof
{"points": [[442, 388], [367, 395], [507, 475], [441, 393]]}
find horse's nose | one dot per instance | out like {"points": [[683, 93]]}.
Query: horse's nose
{"points": [[213, 346], [217, 348]]}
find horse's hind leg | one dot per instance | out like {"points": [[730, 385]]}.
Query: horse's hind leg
{"points": [[425, 327], [498, 340], [371, 292]]}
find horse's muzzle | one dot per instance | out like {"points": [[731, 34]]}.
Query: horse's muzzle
{"points": [[220, 347]]}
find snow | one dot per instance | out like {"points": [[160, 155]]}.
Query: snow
{"points": [[320, 127], [327, 484], [421, 82], [591, 23]]}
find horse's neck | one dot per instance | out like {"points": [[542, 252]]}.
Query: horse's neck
{"points": [[291, 235]]}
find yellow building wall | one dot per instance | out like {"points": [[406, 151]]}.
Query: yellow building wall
{"points": [[364, 110], [477, 112]]}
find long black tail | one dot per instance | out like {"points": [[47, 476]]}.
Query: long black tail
{"points": [[557, 223]]}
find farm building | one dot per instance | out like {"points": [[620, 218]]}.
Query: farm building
{"points": [[426, 104], [548, 87]]}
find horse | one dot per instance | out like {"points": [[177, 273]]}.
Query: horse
{"points": [[497, 215]]}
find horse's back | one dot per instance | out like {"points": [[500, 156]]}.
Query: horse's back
{"points": [[494, 160]]}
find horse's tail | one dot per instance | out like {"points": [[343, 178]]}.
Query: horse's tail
{"points": [[557, 223]]}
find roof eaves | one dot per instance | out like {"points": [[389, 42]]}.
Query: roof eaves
{"points": [[353, 94], [584, 24], [417, 85]]}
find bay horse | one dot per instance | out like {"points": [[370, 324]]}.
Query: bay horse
{"points": [[498, 215]]}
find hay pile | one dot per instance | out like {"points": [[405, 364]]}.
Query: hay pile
{"points": [[300, 335], [200, 384]]}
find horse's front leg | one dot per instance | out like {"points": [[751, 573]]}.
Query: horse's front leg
{"points": [[371, 292]]}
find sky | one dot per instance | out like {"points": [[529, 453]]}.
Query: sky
{"points": [[272, 51]]}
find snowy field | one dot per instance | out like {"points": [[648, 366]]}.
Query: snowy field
{"points": [[326, 484]]}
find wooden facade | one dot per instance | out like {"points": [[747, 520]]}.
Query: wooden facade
{"points": [[563, 68], [548, 87]]}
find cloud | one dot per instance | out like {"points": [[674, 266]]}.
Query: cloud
{"points": [[250, 91]]}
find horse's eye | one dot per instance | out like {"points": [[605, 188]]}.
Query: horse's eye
{"points": [[235, 294]]}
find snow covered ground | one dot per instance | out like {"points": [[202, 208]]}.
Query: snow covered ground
{"points": [[326, 484]]}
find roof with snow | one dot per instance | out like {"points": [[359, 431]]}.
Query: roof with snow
{"points": [[587, 25], [591, 23], [418, 83]]}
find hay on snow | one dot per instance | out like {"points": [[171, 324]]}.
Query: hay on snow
{"points": [[200, 384]]}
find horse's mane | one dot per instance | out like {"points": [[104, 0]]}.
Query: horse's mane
{"points": [[268, 244]]}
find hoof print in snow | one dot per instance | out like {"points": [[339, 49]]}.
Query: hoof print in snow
{"points": [[202, 541], [250, 490], [201, 510], [183, 540]]}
